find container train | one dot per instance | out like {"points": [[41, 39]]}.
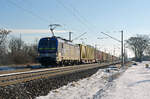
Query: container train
{"points": [[56, 50]]}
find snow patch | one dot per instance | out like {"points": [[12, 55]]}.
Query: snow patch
{"points": [[83, 89], [133, 84]]}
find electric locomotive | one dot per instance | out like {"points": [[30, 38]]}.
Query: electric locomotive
{"points": [[56, 50]]}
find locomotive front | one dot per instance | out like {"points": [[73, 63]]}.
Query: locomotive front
{"points": [[47, 49]]}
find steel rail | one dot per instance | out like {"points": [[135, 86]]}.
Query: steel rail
{"points": [[20, 77]]}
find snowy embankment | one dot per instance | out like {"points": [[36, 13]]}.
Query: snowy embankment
{"points": [[133, 84], [84, 89]]}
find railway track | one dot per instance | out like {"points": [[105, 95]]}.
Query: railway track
{"points": [[20, 77]]}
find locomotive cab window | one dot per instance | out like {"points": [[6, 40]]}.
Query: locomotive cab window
{"points": [[48, 45]]}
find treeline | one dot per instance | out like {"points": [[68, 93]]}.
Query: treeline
{"points": [[15, 50]]}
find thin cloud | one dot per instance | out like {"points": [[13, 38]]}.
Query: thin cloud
{"points": [[35, 31]]}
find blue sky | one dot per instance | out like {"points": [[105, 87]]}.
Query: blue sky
{"points": [[28, 17]]}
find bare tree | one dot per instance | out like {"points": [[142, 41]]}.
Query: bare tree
{"points": [[147, 52], [15, 45], [16, 51], [138, 45], [22, 53], [3, 49], [3, 35]]}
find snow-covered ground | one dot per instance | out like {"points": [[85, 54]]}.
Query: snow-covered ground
{"points": [[83, 89], [133, 84]]}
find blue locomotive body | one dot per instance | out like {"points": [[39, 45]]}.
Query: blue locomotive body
{"points": [[47, 49]]}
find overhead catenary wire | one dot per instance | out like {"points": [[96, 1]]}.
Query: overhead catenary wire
{"points": [[46, 20], [43, 19], [79, 36], [28, 11], [111, 37], [81, 18], [74, 15]]}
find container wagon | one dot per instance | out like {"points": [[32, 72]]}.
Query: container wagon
{"points": [[98, 56], [87, 54]]}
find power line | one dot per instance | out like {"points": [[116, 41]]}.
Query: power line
{"points": [[79, 36], [28, 11], [74, 14], [64, 27], [85, 20], [79, 15], [81, 18], [110, 36]]}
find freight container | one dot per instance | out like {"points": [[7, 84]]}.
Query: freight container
{"points": [[87, 53], [98, 56]]}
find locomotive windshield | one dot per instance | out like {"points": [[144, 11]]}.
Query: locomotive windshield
{"points": [[47, 45]]}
